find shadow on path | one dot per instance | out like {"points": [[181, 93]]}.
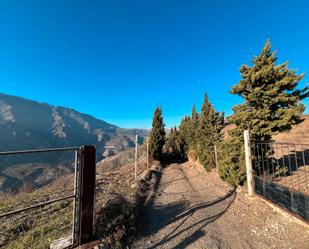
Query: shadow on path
{"points": [[181, 213]]}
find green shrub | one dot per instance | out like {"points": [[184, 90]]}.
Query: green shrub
{"points": [[206, 157], [231, 161]]}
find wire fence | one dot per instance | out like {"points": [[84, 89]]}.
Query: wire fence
{"points": [[40, 193], [281, 174], [286, 164], [38, 197]]}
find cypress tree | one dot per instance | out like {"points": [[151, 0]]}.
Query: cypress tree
{"points": [[174, 147], [157, 135], [207, 134], [186, 131], [194, 125], [195, 118]]}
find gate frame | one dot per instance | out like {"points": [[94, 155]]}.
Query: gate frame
{"points": [[85, 197]]}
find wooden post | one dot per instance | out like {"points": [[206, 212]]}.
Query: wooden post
{"points": [[249, 170], [135, 164], [216, 156], [86, 194]]}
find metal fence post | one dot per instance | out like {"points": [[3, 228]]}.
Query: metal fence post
{"points": [[147, 152], [249, 170], [135, 162], [86, 194]]}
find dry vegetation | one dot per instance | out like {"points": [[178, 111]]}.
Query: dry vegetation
{"points": [[38, 227], [299, 134]]}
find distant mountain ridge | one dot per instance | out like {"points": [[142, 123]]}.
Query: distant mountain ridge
{"points": [[27, 124]]}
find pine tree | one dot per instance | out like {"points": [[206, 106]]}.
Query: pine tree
{"points": [[194, 124], [271, 104], [157, 135], [195, 118], [271, 101], [207, 134], [174, 147], [187, 129], [232, 161]]}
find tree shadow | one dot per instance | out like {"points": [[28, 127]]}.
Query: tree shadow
{"points": [[283, 165], [178, 213], [283, 177], [166, 184]]}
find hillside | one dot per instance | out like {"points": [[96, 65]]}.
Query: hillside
{"points": [[114, 178], [299, 133], [26, 124]]}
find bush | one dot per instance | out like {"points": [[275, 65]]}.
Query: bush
{"points": [[206, 157], [116, 222], [232, 161]]}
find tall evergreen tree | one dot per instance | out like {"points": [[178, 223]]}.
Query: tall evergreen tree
{"points": [[174, 146], [195, 117], [271, 104], [157, 135], [271, 101], [207, 134], [186, 131]]}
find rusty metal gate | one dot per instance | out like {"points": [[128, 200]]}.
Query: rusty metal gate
{"points": [[82, 198]]}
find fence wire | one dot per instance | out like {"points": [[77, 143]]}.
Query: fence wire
{"points": [[37, 208], [283, 163]]}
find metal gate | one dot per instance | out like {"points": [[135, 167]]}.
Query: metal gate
{"points": [[82, 197]]}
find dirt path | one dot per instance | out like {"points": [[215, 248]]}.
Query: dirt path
{"points": [[195, 209]]}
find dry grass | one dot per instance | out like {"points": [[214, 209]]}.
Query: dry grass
{"points": [[37, 228]]}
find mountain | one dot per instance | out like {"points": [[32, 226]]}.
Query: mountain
{"points": [[27, 124]]}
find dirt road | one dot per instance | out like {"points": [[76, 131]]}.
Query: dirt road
{"points": [[195, 209]]}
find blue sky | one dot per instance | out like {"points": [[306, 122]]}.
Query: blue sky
{"points": [[118, 60]]}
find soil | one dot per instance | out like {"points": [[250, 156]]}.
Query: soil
{"points": [[193, 208]]}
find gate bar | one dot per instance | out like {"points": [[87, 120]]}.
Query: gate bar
{"points": [[37, 205], [6, 153], [86, 194]]}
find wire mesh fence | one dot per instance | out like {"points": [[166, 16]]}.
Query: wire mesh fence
{"points": [[286, 164], [280, 174], [37, 197]]}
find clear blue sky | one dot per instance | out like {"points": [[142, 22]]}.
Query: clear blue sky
{"points": [[118, 60]]}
